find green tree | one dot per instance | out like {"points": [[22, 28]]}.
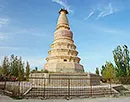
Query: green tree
{"points": [[108, 70], [102, 69], [97, 71], [122, 59], [5, 66], [36, 69], [27, 71], [11, 64], [17, 67], [20, 69], [126, 59], [14, 65], [1, 70], [45, 71]]}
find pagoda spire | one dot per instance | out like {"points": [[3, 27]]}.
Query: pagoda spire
{"points": [[63, 20]]}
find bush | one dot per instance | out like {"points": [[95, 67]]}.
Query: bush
{"points": [[124, 80], [45, 71]]}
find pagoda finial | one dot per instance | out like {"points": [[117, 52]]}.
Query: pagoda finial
{"points": [[63, 20], [63, 10]]}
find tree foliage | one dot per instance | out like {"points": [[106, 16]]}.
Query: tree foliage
{"points": [[102, 69], [20, 69], [97, 71], [122, 59], [27, 71], [45, 71], [108, 71], [5, 66], [1, 70], [14, 67]]}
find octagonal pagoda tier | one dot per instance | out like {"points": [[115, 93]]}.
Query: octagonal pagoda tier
{"points": [[62, 57]]}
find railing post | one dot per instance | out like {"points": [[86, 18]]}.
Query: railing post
{"points": [[44, 87], [91, 93], [5, 85], [110, 87], [68, 88], [19, 88]]}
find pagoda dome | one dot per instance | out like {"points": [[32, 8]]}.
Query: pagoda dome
{"points": [[63, 32]]}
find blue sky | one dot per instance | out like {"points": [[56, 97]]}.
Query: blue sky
{"points": [[99, 26]]}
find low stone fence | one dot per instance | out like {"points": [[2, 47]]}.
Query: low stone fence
{"points": [[2, 85], [49, 87], [17, 87]]}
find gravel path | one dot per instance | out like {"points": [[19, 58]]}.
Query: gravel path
{"points": [[120, 99]]}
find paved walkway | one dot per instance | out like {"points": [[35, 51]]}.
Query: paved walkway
{"points": [[120, 99]]}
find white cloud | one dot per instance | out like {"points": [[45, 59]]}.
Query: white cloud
{"points": [[64, 4], [103, 10], [3, 21], [4, 36], [106, 11], [90, 14]]}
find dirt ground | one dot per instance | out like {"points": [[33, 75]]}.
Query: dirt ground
{"points": [[120, 99]]}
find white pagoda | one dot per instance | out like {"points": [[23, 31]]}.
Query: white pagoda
{"points": [[62, 57]]}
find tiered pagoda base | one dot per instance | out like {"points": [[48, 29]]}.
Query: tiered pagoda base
{"points": [[70, 67]]}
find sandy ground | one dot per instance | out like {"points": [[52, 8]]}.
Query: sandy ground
{"points": [[120, 99]]}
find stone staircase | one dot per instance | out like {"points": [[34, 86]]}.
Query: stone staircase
{"points": [[122, 90], [53, 92]]}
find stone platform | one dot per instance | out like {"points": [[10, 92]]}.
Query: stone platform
{"points": [[61, 79]]}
